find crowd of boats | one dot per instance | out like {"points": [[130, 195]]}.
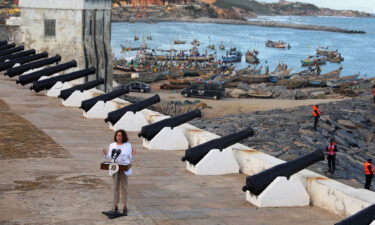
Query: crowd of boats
{"points": [[182, 67]]}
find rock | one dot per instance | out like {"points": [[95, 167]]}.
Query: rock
{"points": [[236, 93], [243, 86], [327, 127], [349, 138], [317, 95], [326, 118], [367, 135], [306, 132], [347, 123]]}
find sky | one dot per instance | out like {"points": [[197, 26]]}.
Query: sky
{"points": [[360, 5]]}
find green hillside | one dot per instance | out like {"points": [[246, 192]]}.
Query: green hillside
{"points": [[249, 5]]}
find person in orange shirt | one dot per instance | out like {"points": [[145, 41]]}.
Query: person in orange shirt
{"points": [[316, 114], [369, 173]]}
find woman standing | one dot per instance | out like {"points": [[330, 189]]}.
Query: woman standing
{"points": [[120, 179]]}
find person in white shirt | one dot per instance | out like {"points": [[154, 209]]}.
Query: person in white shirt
{"points": [[121, 178]]}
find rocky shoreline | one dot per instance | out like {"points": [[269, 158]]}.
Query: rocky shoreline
{"points": [[288, 133], [239, 22]]}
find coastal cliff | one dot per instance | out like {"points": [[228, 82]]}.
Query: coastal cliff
{"points": [[225, 9]]}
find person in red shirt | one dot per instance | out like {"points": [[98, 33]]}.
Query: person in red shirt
{"points": [[331, 150], [369, 173]]}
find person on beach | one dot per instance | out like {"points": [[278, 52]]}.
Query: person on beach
{"points": [[374, 94], [120, 179], [331, 150], [369, 173], [316, 115]]}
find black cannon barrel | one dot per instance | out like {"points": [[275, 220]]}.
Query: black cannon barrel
{"points": [[32, 65], [363, 217], [12, 50], [258, 182], [3, 42], [150, 131], [89, 103], [49, 82], [17, 55], [22, 60], [116, 115], [31, 77], [195, 154], [6, 46], [65, 94]]}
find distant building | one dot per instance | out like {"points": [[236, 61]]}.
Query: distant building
{"points": [[74, 29], [283, 2]]}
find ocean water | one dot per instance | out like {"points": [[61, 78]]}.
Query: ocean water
{"points": [[358, 50]]}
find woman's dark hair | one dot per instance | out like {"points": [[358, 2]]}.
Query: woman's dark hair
{"points": [[124, 136]]}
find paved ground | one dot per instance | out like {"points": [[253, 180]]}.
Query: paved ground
{"points": [[50, 156]]}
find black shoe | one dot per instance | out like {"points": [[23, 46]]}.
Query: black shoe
{"points": [[125, 210], [116, 209]]}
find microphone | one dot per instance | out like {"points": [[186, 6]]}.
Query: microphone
{"points": [[113, 153], [118, 153]]}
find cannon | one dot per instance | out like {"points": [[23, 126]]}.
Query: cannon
{"points": [[363, 217], [116, 115], [12, 50], [7, 46], [3, 42], [150, 131], [17, 55], [195, 154], [33, 65], [258, 182], [22, 60], [65, 94], [31, 77], [89, 103], [48, 83]]}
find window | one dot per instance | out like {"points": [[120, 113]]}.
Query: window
{"points": [[49, 28], [90, 28]]}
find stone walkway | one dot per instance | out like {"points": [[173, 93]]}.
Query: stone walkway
{"points": [[62, 184]]}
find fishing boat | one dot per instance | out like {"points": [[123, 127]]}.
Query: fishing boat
{"points": [[126, 68], [276, 44], [335, 59], [260, 94], [251, 57], [336, 82], [179, 42], [332, 74], [145, 77], [195, 42], [211, 46], [313, 60], [172, 86], [254, 78], [125, 49], [222, 47], [232, 57]]}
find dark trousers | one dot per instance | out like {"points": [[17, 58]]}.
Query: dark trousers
{"points": [[316, 119], [331, 163], [368, 181], [374, 98]]}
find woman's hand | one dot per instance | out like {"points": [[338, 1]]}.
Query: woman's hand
{"points": [[134, 152], [105, 151]]}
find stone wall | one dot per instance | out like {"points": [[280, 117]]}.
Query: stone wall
{"points": [[83, 33], [68, 39]]}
